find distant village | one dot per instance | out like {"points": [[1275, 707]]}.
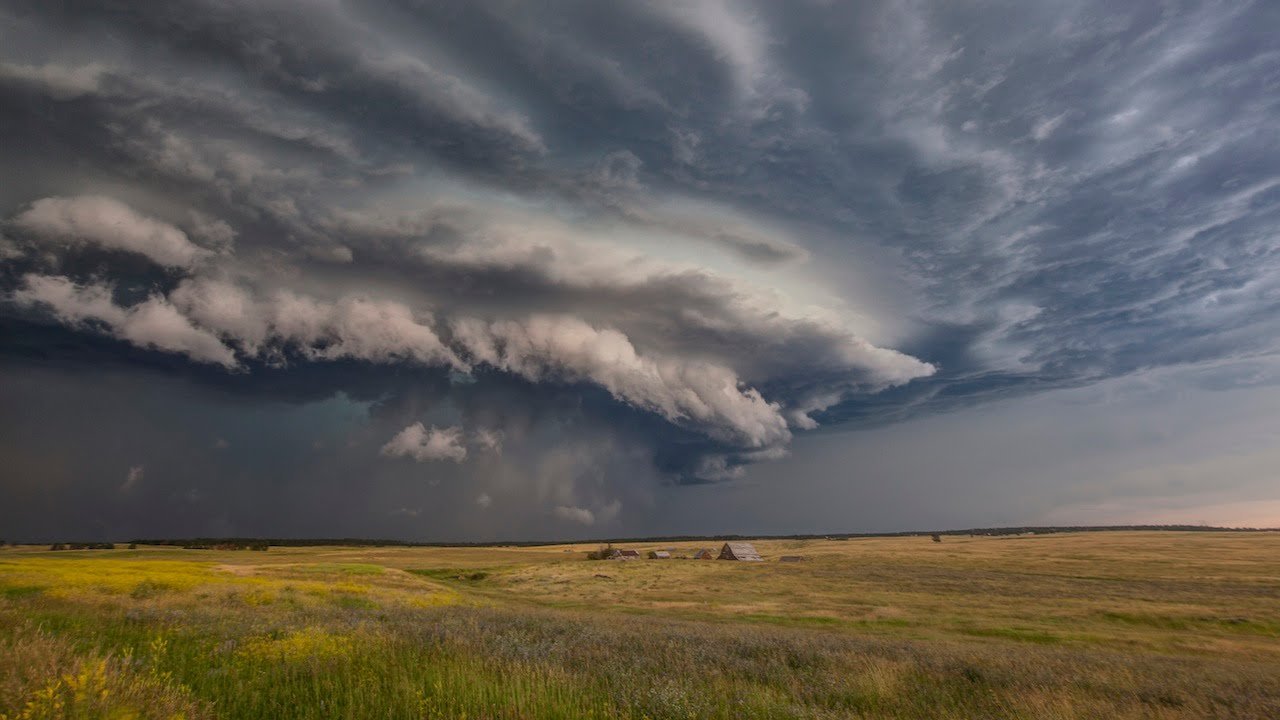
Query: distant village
{"points": [[739, 551]]}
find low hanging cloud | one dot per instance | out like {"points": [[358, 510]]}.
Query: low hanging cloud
{"points": [[424, 445], [110, 224], [218, 319], [575, 514], [153, 323], [223, 322], [353, 327], [586, 516], [566, 348]]}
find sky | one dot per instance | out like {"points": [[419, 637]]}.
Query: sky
{"points": [[495, 270]]}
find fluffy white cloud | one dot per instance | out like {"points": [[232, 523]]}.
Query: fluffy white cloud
{"points": [[73, 304], [153, 323], [354, 327], [157, 324], [110, 224], [422, 444], [564, 348]]}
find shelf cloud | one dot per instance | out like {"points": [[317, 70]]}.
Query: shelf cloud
{"points": [[563, 261]]}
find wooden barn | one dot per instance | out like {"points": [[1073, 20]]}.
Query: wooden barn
{"points": [[704, 554], [628, 554], [659, 555], [739, 551]]}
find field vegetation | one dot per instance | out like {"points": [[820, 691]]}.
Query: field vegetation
{"points": [[1081, 625]]}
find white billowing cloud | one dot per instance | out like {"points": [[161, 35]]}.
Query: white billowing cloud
{"points": [[157, 324], [153, 324], [109, 224], [572, 513], [483, 500], [365, 329], [72, 304], [422, 444], [225, 308], [354, 327], [565, 348]]}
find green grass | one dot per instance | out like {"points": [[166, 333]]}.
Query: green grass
{"points": [[1154, 625]]}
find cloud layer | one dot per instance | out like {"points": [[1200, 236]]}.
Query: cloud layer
{"points": [[578, 253]]}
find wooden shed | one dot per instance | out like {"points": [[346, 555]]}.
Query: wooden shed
{"points": [[659, 555], [704, 554], [739, 551], [628, 555]]}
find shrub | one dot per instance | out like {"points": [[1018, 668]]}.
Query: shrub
{"points": [[604, 552]]}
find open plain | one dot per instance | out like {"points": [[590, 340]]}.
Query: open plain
{"points": [[1076, 625]]}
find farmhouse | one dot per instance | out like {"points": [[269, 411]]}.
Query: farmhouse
{"points": [[704, 554], [659, 555], [739, 551]]}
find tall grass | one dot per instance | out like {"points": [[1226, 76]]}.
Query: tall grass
{"points": [[262, 642]]}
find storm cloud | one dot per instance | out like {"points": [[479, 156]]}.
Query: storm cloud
{"points": [[523, 269]]}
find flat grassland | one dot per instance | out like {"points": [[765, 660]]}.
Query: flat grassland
{"points": [[1083, 625]]}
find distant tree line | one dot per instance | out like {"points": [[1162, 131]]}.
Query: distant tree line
{"points": [[262, 543], [259, 545], [82, 546]]}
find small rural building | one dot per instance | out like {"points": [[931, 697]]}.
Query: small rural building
{"points": [[739, 551], [659, 555], [628, 555], [704, 554]]}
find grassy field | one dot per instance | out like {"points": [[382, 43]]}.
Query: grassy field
{"points": [[1088, 625]]}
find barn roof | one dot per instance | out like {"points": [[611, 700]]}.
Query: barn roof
{"points": [[659, 554], [739, 551]]}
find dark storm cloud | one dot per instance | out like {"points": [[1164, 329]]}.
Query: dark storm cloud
{"points": [[557, 255]]}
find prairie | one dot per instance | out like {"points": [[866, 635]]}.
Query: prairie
{"points": [[1076, 625]]}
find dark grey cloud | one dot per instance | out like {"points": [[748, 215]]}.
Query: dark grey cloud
{"points": [[555, 257]]}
